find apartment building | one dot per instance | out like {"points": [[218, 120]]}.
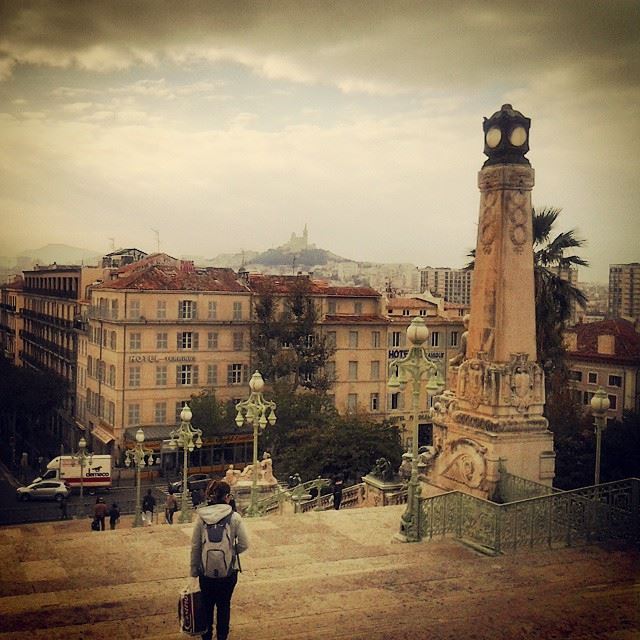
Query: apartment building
{"points": [[155, 335], [454, 285], [351, 319], [11, 303], [442, 344], [624, 291], [605, 354]]}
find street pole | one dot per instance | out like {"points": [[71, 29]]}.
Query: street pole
{"points": [[256, 411], [413, 367], [183, 436], [600, 404], [137, 456], [82, 458]]}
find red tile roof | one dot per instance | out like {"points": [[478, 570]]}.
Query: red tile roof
{"points": [[170, 278], [409, 303], [263, 283], [626, 341]]}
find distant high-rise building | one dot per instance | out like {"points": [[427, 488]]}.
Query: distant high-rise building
{"points": [[624, 291], [454, 285]]}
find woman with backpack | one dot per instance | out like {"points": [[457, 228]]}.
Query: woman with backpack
{"points": [[218, 538]]}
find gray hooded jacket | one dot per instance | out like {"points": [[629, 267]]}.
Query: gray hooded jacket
{"points": [[210, 515]]}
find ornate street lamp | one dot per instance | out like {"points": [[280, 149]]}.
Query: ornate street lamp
{"points": [[256, 411], [412, 368], [137, 457], [600, 404], [84, 459], [183, 437]]}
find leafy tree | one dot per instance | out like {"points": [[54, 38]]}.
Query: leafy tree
{"points": [[621, 449], [213, 416], [286, 344]]}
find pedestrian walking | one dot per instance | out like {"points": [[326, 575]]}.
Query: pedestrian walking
{"points": [[170, 507], [196, 497], [218, 538], [337, 492], [148, 507], [63, 508], [100, 513], [114, 516]]}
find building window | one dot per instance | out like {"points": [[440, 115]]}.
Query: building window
{"points": [[135, 341], [374, 403], [186, 309], [592, 377], [453, 339], [375, 339], [134, 376], [112, 375], [352, 402], [435, 338], [111, 412], [353, 339], [575, 376], [375, 369], [212, 310], [423, 312], [357, 308], [353, 370], [396, 401], [331, 307], [212, 340], [134, 309], [586, 397], [331, 339], [160, 414], [237, 310], [212, 374], [185, 340], [615, 381], [614, 402], [238, 340], [406, 312], [236, 373], [161, 375], [396, 338], [162, 340], [186, 374], [133, 414], [330, 370], [113, 340], [161, 309]]}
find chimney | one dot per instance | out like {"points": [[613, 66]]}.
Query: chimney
{"points": [[606, 344]]}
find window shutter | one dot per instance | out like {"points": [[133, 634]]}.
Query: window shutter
{"points": [[245, 373], [177, 374], [195, 374], [195, 310], [229, 374], [196, 340]]}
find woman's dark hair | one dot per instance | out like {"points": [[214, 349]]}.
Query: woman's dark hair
{"points": [[217, 491]]}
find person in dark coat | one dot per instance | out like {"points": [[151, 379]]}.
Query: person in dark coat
{"points": [[114, 516], [100, 513], [337, 492]]}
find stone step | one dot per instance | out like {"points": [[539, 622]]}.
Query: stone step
{"points": [[332, 574]]}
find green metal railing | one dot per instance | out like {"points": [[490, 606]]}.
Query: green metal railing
{"points": [[512, 488], [602, 512]]}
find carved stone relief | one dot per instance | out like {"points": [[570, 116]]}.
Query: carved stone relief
{"points": [[466, 463], [517, 203], [488, 220]]}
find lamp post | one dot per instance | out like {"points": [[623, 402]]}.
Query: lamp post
{"points": [[256, 411], [412, 368], [137, 456], [183, 437], [83, 458], [600, 404]]}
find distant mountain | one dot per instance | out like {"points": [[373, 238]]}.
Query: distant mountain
{"points": [[307, 257], [62, 254]]}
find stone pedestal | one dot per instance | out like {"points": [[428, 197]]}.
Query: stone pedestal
{"points": [[380, 493]]}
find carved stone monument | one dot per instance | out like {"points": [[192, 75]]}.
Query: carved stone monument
{"points": [[495, 410]]}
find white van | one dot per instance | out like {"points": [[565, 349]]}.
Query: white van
{"points": [[97, 475]]}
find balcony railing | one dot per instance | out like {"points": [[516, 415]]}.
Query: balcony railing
{"points": [[62, 323], [53, 293], [47, 345]]}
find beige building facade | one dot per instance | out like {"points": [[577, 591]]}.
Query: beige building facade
{"points": [[624, 291]]}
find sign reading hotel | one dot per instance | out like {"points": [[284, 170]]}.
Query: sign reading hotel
{"points": [[402, 353], [156, 358]]}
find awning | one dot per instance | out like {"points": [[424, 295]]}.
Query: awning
{"points": [[102, 434]]}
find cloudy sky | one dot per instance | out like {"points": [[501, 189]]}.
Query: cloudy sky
{"points": [[227, 125]]}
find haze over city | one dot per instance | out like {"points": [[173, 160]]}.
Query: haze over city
{"points": [[225, 126]]}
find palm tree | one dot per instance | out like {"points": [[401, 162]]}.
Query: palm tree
{"points": [[556, 297]]}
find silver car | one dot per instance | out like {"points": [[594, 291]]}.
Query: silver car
{"points": [[44, 490]]}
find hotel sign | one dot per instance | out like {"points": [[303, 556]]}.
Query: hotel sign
{"points": [[156, 358], [402, 353]]}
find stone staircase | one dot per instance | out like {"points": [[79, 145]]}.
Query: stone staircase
{"points": [[322, 575]]}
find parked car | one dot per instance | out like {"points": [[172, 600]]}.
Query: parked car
{"points": [[194, 481], [44, 490]]}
